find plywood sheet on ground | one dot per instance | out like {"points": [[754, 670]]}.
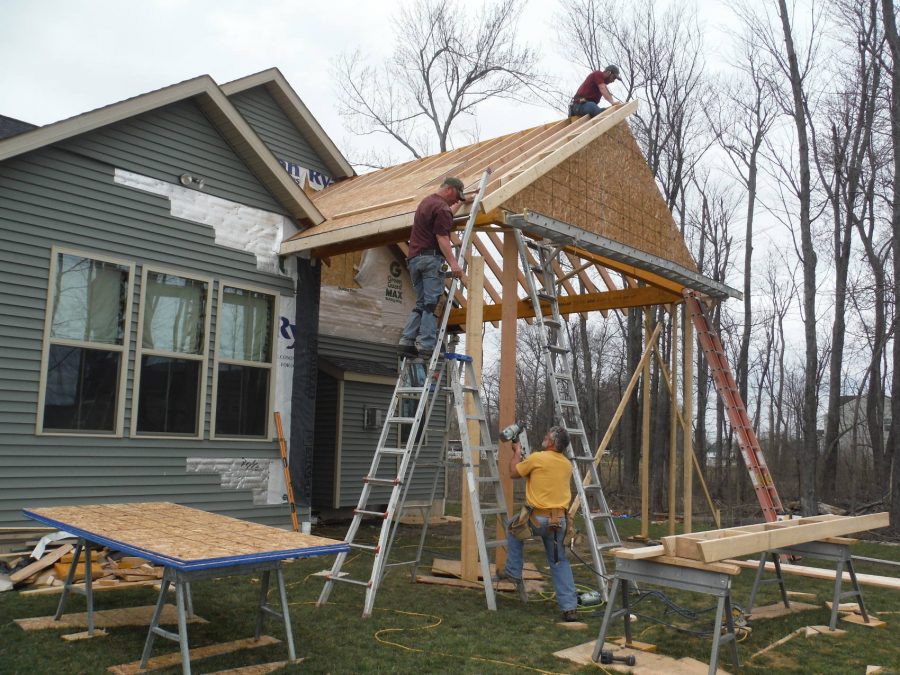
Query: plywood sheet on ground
{"points": [[180, 533], [107, 618], [174, 658], [453, 568], [258, 669], [645, 662], [778, 609]]}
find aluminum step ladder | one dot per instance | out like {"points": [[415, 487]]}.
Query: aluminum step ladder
{"points": [[734, 407], [557, 355], [419, 386]]}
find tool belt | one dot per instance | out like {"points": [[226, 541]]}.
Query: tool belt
{"points": [[520, 526], [428, 251]]}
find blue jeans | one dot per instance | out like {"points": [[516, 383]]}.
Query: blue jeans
{"points": [[586, 108], [428, 280], [560, 572]]}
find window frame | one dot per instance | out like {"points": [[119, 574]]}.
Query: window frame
{"points": [[268, 436], [48, 341], [139, 352]]}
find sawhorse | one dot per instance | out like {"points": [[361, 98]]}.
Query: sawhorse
{"points": [[711, 582], [839, 553]]}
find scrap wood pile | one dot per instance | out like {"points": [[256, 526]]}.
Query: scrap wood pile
{"points": [[31, 568]]}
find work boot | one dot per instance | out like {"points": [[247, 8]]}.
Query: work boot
{"points": [[570, 616], [408, 351], [521, 591]]}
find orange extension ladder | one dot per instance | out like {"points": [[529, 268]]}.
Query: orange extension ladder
{"points": [[734, 407]]}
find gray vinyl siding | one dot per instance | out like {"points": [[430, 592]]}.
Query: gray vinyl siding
{"points": [[275, 129], [324, 455], [358, 444], [171, 141], [62, 197]]}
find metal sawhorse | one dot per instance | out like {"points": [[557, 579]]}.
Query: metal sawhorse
{"points": [[710, 582], [835, 551]]}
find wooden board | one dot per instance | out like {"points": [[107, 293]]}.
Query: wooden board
{"points": [[178, 533], [258, 669], [859, 621], [778, 609], [107, 618], [720, 544], [97, 587], [41, 564], [819, 573], [174, 658], [646, 663], [84, 635], [453, 568]]}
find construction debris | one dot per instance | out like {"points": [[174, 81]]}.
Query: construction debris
{"points": [[47, 573]]}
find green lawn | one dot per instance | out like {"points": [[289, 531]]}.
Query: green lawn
{"points": [[436, 629]]}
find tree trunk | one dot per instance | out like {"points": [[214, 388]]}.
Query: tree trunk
{"points": [[809, 453]]}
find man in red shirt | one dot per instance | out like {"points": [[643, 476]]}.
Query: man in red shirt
{"points": [[429, 247], [587, 98]]}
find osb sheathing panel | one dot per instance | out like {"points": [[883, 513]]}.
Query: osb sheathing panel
{"points": [[412, 181], [340, 270], [607, 188]]}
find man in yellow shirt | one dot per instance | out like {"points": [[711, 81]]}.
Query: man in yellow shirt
{"points": [[547, 496]]}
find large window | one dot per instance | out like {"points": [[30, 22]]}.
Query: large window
{"points": [[172, 351], [85, 344], [243, 378]]}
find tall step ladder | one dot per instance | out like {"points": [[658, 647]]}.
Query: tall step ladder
{"points": [[419, 387], [734, 407], [557, 355]]}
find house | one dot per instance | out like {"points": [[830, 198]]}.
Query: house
{"points": [[149, 324]]}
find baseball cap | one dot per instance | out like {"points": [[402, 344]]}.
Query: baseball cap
{"points": [[455, 183]]}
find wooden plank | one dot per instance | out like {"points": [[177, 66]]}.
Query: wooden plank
{"points": [[757, 542], [639, 553], [721, 567], [259, 668], [687, 437], [372, 207], [98, 587], [84, 635], [645, 428], [508, 365], [579, 303], [41, 564], [107, 618], [873, 580], [174, 658]]}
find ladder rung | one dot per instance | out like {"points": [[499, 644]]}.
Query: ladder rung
{"points": [[401, 420], [348, 580], [548, 297], [393, 451], [569, 404], [473, 418], [381, 481], [552, 323], [410, 390], [493, 511], [608, 545], [557, 349], [364, 547], [495, 543], [363, 512], [562, 376]]}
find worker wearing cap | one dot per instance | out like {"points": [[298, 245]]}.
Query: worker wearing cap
{"points": [[547, 499], [429, 247], [594, 88]]}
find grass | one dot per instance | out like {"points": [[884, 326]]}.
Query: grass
{"points": [[437, 629]]}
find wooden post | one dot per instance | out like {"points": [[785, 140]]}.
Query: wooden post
{"points": [[688, 416], [475, 286], [507, 404], [673, 418], [645, 435]]}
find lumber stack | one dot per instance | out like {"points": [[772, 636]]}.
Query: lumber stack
{"points": [[48, 573], [708, 549]]}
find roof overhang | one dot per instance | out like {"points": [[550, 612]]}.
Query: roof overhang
{"points": [[218, 109], [613, 253]]}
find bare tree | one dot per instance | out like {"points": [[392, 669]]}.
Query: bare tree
{"points": [[889, 17], [444, 65]]}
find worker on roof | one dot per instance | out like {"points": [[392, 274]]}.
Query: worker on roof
{"points": [[587, 99], [547, 499], [429, 248]]}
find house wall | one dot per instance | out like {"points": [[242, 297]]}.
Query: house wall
{"points": [[275, 129], [358, 444], [68, 196]]}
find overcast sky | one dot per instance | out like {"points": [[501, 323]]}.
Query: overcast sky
{"points": [[65, 58]]}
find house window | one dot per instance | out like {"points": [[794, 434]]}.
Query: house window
{"points": [[172, 352], [243, 378], [85, 345]]}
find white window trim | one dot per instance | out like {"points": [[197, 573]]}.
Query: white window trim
{"points": [[269, 433], [123, 349], [140, 351]]}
